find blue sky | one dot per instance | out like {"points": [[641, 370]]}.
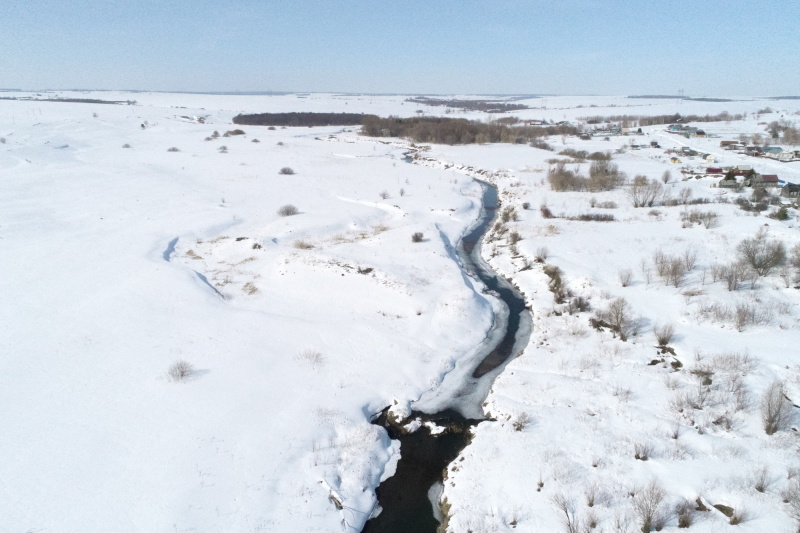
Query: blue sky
{"points": [[707, 48]]}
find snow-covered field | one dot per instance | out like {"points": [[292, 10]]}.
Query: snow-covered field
{"points": [[118, 262]]}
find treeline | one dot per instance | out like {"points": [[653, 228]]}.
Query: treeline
{"points": [[633, 121], [489, 106], [457, 131], [70, 100], [301, 119]]}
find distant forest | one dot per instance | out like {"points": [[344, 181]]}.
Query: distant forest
{"points": [[632, 121], [70, 100], [301, 119], [679, 97], [489, 106], [457, 131]]}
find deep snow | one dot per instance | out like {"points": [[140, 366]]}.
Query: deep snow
{"points": [[294, 350]]}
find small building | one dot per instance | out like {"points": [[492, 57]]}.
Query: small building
{"points": [[728, 183], [765, 180], [790, 190], [714, 170]]}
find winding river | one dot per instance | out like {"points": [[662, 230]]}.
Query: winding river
{"points": [[409, 499]]}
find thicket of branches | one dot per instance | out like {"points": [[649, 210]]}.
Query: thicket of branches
{"points": [[300, 119], [456, 131], [603, 176]]}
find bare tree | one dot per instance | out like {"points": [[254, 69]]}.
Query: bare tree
{"points": [[625, 276], [761, 254], [649, 506], [685, 195], [776, 411], [619, 317], [645, 192], [733, 275]]}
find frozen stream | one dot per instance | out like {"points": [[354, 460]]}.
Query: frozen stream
{"points": [[409, 497]]}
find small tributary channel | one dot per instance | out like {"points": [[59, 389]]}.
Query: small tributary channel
{"points": [[404, 497]]}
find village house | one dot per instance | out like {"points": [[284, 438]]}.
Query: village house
{"points": [[791, 190], [767, 181]]}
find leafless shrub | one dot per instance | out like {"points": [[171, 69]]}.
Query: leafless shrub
{"points": [[739, 515], [173, 149], [384, 195], [709, 219], [286, 171], [666, 177], [521, 421], [287, 210], [417, 237], [514, 237], [180, 371], [642, 451], [541, 254], [565, 509], [604, 176], [126, 145], [664, 333], [625, 276], [591, 494], [791, 496], [578, 304], [686, 513], [649, 506], [312, 358], [674, 271], [402, 192], [746, 314], [685, 195], [593, 217], [303, 245], [761, 254], [545, 211], [775, 409], [761, 479], [563, 179], [607, 205], [689, 259], [508, 214], [249, 288], [591, 520], [646, 273]]}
